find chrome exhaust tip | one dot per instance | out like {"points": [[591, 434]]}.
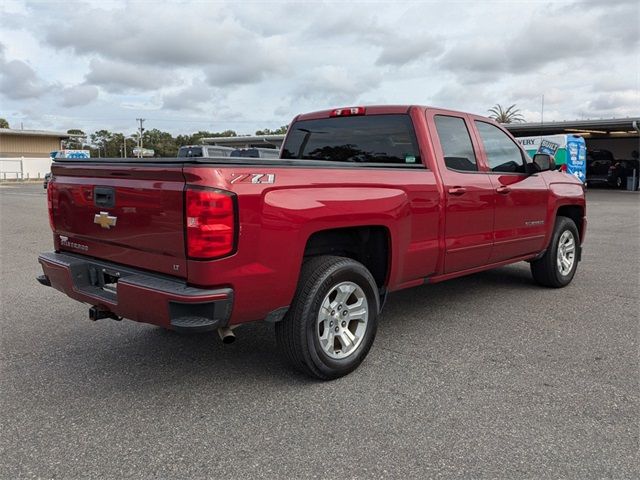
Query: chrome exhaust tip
{"points": [[226, 335]]}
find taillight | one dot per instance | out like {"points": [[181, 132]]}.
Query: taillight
{"points": [[50, 191], [347, 112], [210, 223]]}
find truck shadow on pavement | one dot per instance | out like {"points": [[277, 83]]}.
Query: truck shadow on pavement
{"points": [[133, 358], [478, 286]]}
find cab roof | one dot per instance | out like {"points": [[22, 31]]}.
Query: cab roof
{"points": [[370, 110]]}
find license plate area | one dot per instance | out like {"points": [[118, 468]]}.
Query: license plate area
{"points": [[98, 281], [105, 279]]}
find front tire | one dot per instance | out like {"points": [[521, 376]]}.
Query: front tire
{"points": [[558, 265], [333, 319]]}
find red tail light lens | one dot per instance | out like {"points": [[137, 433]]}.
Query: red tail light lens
{"points": [[50, 193], [210, 223]]}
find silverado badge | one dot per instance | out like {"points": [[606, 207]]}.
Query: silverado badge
{"points": [[105, 220]]}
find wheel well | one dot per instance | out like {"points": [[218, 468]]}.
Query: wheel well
{"points": [[575, 213], [368, 245]]}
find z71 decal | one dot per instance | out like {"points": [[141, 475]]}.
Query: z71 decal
{"points": [[253, 178]]}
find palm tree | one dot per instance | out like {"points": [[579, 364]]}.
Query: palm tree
{"points": [[510, 115]]}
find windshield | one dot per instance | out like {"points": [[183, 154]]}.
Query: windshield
{"points": [[190, 152], [362, 139]]}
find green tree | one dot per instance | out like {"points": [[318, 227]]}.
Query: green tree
{"points": [[163, 143], [226, 133], [4, 123], [106, 144], [99, 141], [116, 146], [510, 115], [131, 143], [278, 131], [184, 140], [196, 138], [76, 143]]}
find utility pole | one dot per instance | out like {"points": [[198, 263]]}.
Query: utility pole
{"points": [[140, 131], [542, 111], [124, 146]]}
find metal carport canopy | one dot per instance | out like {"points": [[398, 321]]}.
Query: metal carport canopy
{"points": [[604, 128]]}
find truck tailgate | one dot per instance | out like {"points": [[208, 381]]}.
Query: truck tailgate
{"points": [[128, 214]]}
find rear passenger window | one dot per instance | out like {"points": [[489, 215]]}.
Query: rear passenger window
{"points": [[503, 154], [456, 143], [381, 139]]}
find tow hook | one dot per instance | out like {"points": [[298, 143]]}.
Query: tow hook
{"points": [[97, 313], [226, 335]]}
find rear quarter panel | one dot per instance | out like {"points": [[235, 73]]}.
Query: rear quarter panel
{"points": [[277, 219]]}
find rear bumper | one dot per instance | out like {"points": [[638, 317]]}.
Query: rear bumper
{"points": [[136, 294]]}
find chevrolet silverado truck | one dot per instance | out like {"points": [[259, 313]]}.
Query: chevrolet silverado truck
{"points": [[363, 201]]}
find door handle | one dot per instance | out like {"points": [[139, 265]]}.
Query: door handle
{"points": [[104, 197], [503, 189], [457, 191]]}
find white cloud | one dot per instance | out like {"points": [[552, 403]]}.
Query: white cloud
{"points": [[176, 34], [251, 65], [625, 103], [333, 84], [79, 95], [399, 51], [120, 77], [195, 97], [18, 80]]}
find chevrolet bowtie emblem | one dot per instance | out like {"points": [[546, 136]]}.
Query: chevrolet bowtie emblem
{"points": [[105, 220]]}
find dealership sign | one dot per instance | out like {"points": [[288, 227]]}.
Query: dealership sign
{"points": [[70, 154], [569, 150]]}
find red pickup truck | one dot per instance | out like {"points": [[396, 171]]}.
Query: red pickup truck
{"points": [[363, 201]]}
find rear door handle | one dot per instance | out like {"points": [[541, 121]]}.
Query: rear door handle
{"points": [[503, 189], [457, 191]]}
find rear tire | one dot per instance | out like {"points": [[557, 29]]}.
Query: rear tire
{"points": [[557, 267], [333, 319]]}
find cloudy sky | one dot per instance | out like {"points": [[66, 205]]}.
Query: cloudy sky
{"points": [[244, 65]]}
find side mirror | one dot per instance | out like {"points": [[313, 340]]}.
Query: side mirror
{"points": [[544, 162]]}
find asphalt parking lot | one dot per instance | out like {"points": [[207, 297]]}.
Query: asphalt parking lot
{"points": [[487, 376]]}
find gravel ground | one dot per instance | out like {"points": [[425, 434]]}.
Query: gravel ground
{"points": [[488, 376]]}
